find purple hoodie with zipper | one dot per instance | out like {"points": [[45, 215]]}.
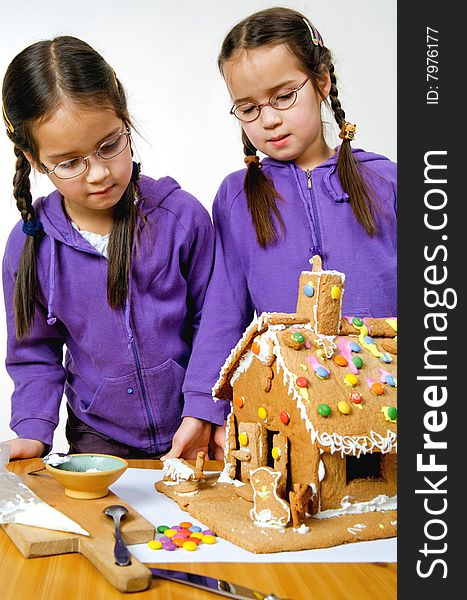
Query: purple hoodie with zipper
{"points": [[318, 220], [123, 369]]}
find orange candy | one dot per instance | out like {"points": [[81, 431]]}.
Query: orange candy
{"points": [[186, 525], [178, 541], [377, 388], [340, 360], [239, 401], [255, 348]]}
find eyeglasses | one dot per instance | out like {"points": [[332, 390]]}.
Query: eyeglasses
{"points": [[281, 100], [76, 166]]}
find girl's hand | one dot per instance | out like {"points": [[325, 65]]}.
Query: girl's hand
{"points": [[217, 442], [190, 438], [25, 448]]}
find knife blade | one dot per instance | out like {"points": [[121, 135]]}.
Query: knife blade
{"points": [[211, 584]]}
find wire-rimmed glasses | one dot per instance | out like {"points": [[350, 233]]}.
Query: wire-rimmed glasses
{"points": [[77, 165], [280, 100]]}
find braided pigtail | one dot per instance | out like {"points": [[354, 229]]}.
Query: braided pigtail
{"points": [[26, 285], [261, 197], [351, 180]]}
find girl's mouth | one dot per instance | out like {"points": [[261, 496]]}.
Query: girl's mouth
{"points": [[279, 141], [103, 192]]}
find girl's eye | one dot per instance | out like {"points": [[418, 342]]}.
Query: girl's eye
{"points": [[70, 164], [246, 109], [109, 146], [283, 95]]}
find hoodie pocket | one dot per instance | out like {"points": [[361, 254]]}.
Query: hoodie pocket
{"points": [[137, 404]]}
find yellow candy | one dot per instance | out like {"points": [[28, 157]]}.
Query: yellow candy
{"points": [[335, 292], [243, 439], [155, 545], [262, 412], [208, 539], [343, 407], [190, 546], [197, 534], [351, 379], [276, 453], [170, 533]]}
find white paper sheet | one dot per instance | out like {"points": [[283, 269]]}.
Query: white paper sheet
{"points": [[136, 488]]}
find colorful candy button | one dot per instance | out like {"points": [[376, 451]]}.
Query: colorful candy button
{"points": [[324, 410], [343, 407], [385, 358], [170, 546], [368, 340], [155, 544], [377, 388], [335, 292], [255, 348], [298, 337], [197, 534], [170, 533], [351, 379], [340, 360], [357, 361], [243, 439], [196, 540], [355, 397], [209, 539], [262, 413], [179, 541], [209, 532], [302, 382], [354, 347], [390, 380], [186, 524], [284, 417], [162, 528], [276, 453], [322, 373], [190, 546], [194, 528], [357, 322], [309, 290], [239, 401], [392, 413]]}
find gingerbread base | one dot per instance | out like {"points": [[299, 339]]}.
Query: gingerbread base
{"points": [[222, 510]]}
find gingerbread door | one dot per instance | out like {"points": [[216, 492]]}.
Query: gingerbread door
{"points": [[279, 453], [252, 440]]}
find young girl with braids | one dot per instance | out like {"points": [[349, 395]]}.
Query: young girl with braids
{"points": [[113, 265], [304, 198]]}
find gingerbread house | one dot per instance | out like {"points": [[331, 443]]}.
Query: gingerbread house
{"points": [[312, 433]]}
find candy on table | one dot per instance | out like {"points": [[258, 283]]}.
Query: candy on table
{"points": [[184, 535]]}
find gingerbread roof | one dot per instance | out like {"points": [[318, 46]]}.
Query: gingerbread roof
{"points": [[352, 376]]}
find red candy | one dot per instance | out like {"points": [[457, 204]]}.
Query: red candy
{"points": [[302, 382], [284, 417], [355, 397]]}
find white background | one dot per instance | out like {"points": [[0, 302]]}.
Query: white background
{"points": [[165, 55]]}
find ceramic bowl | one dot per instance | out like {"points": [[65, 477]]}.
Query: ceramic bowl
{"points": [[88, 476]]}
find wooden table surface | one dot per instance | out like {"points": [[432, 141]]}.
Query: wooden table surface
{"points": [[72, 577]]}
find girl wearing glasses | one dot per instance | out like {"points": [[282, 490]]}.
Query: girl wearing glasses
{"points": [[303, 199], [112, 265]]}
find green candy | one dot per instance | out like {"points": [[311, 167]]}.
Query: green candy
{"points": [[357, 322], [324, 410], [298, 337], [162, 528], [392, 413], [357, 361]]}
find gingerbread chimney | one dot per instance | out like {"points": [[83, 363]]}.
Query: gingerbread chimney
{"points": [[320, 298]]}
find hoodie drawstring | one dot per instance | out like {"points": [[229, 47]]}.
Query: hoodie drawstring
{"points": [[51, 319], [336, 196]]}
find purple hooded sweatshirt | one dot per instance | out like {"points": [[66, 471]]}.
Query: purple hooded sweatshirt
{"points": [[318, 220], [123, 369]]}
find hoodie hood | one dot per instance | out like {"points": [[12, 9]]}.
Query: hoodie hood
{"points": [[57, 225]]}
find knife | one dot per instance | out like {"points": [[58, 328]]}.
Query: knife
{"points": [[211, 584]]}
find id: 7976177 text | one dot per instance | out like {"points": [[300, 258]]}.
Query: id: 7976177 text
{"points": [[432, 95]]}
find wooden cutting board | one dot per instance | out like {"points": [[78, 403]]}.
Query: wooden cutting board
{"points": [[98, 546]]}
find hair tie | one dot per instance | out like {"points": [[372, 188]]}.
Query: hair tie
{"points": [[7, 120], [251, 159], [348, 131], [136, 170], [315, 35], [33, 227]]}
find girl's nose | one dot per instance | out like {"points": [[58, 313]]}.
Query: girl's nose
{"points": [[97, 170], [270, 117]]}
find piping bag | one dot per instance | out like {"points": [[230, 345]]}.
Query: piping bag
{"points": [[20, 505]]}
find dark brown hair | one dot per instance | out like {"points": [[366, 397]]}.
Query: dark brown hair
{"points": [[271, 27], [37, 82]]}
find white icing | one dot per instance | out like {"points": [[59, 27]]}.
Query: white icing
{"points": [[94, 470], [55, 459], [224, 477], [302, 529], [264, 518], [380, 503], [177, 471], [321, 471], [357, 528], [187, 493]]}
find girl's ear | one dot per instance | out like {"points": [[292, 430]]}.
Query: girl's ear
{"points": [[324, 82], [32, 162]]}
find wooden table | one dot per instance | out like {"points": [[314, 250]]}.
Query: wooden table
{"points": [[72, 577]]}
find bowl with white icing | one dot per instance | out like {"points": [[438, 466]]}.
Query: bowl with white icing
{"points": [[88, 476]]}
